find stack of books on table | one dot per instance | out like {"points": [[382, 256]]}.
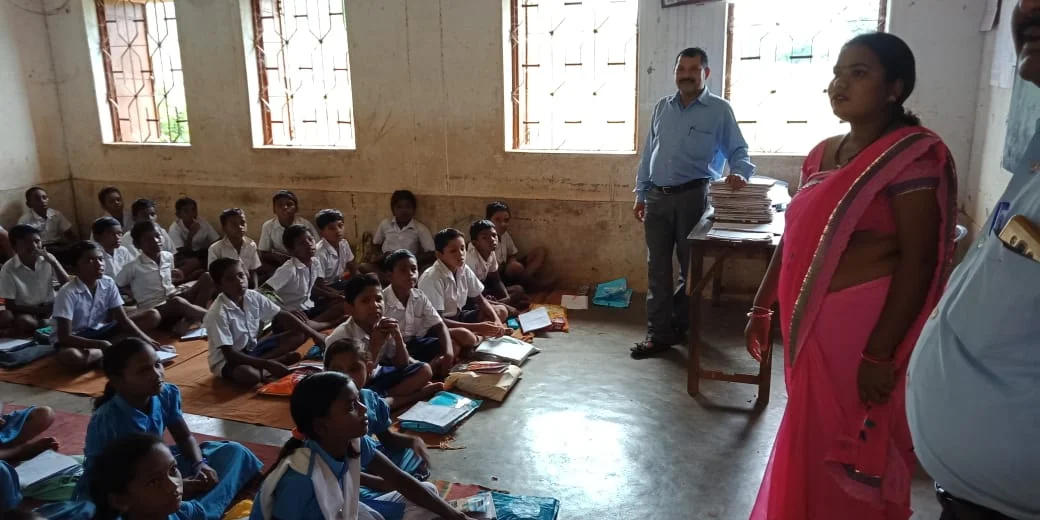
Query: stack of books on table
{"points": [[750, 204]]}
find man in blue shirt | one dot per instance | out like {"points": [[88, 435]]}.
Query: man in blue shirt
{"points": [[693, 134], [973, 383]]}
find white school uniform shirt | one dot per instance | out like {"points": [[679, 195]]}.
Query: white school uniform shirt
{"points": [[351, 330], [164, 240], [227, 324], [334, 259], [27, 286], [294, 281], [224, 249], [506, 248], [272, 231], [150, 283], [126, 223], [481, 267], [115, 262], [416, 318], [179, 233], [74, 302], [449, 291], [51, 227], [414, 236]]}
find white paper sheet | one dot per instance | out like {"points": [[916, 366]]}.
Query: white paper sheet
{"points": [[199, 333], [506, 348], [165, 356], [574, 302], [43, 466], [535, 319], [439, 416]]}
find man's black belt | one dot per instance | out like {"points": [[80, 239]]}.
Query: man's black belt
{"points": [[671, 190]]}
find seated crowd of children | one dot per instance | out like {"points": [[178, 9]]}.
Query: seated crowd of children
{"points": [[392, 337]]}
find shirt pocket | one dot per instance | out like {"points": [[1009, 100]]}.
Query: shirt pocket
{"points": [[700, 141], [997, 307]]}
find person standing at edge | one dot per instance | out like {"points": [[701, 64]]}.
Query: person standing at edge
{"points": [[972, 398], [693, 134]]}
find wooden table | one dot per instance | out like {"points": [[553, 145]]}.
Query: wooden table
{"points": [[721, 250]]}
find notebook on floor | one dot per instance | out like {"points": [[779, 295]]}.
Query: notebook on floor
{"points": [[44, 466], [506, 348]]}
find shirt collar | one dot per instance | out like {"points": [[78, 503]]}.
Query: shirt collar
{"points": [[357, 330], [337, 467], [444, 270], [126, 407], [297, 263], [410, 224], [390, 298], [229, 304], [147, 260], [18, 262], [703, 98], [36, 216]]}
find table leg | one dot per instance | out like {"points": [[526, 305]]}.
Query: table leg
{"points": [[696, 274], [716, 282]]}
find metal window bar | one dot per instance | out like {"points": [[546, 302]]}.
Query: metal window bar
{"points": [[144, 82], [303, 69]]}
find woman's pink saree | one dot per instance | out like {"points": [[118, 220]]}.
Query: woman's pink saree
{"points": [[835, 457]]}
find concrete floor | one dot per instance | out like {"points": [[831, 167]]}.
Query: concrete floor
{"points": [[611, 437]]}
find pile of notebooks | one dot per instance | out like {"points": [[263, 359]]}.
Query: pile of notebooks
{"points": [[49, 469], [439, 415], [751, 203]]}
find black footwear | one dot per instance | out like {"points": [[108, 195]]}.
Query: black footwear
{"points": [[649, 347]]}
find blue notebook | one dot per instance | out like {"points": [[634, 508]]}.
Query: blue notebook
{"points": [[440, 415]]}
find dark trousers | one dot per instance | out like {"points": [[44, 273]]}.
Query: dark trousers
{"points": [[956, 509], [668, 221]]}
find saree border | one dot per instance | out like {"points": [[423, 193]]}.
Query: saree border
{"points": [[828, 233]]}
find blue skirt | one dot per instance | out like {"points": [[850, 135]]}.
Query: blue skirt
{"points": [[234, 464], [13, 424], [10, 491]]}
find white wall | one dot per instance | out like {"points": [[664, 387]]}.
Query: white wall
{"points": [[32, 149], [428, 94]]}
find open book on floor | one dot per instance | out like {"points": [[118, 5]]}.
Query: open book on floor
{"points": [[506, 348]]}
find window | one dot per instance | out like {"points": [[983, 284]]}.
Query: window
{"points": [[142, 62], [780, 61], [573, 74], [304, 73]]}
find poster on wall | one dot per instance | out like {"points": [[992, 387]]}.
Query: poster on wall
{"points": [[1022, 122]]}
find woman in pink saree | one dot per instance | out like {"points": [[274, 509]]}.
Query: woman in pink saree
{"points": [[865, 257]]}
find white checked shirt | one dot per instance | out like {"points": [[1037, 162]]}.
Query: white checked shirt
{"points": [[449, 291], [51, 227], [27, 286], [506, 247], [479, 265], [74, 302], [272, 231], [414, 236], [115, 262], [351, 330], [224, 249], [179, 233], [334, 259], [293, 281], [150, 283], [228, 325], [416, 318]]}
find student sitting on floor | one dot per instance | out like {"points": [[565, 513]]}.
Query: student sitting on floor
{"points": [[422, 328], [334, 251], [233, 326], [456, 293], [191, 235], [273, 251], [136, 477], [111, 200], [150, 279], [10, 490], [108, 233], [331, 442], [137, 400], [397, 376], [27, 284], [236, 244], [300, 278], [54, 228], [529, 269], [481, 258], [88, 311], [19, 431], [5, 245], [402, 231], [408, 452], [144, 211]]}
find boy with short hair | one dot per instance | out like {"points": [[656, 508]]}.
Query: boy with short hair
{"points": [[527, 270], [108, 233], [397, 377], [111, 200], [88, 310], [302, 277], [402, 231], [54, 228], [150, 279], [333, 250], [26, 283], [273, 252], [424, 332], [233, 326], [458, 295], [191, 235], [236, 244], [143, 210], [481, 258]]}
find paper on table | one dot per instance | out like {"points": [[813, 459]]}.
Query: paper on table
{"points": [[535, 319], [740, 236], [7, 344], [43, 466], [439, 416]]}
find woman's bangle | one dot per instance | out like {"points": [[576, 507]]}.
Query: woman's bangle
{"points": [[760, 308], [877, 361], [198, 465], [760, 312]]}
